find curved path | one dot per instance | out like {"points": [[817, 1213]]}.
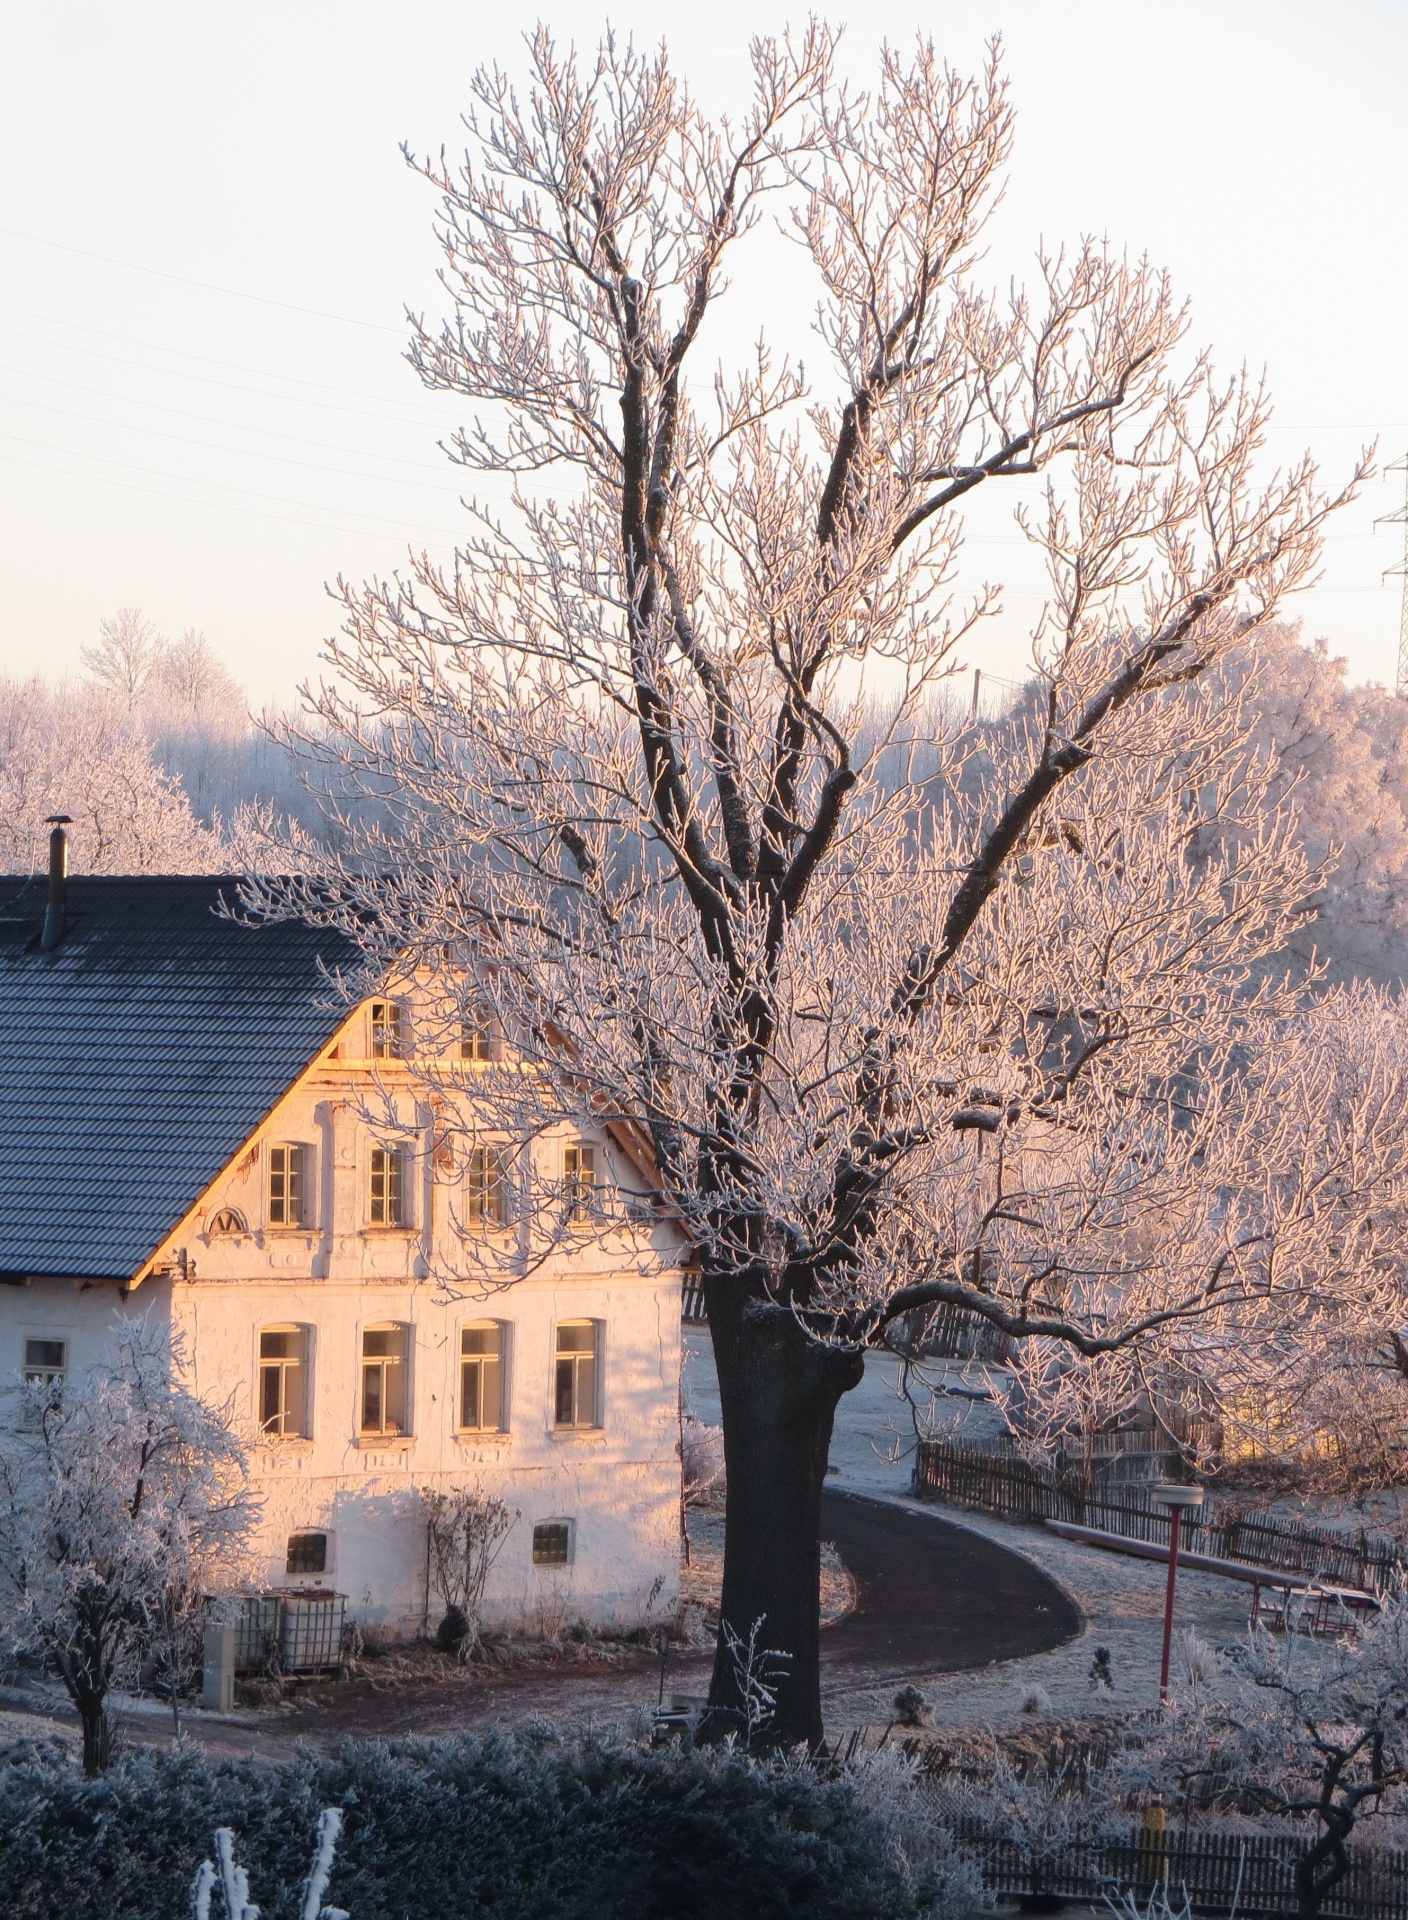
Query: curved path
{"points": [[933, 1597]]}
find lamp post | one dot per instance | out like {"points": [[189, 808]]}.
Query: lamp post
{"points": [[1177, 1499]]}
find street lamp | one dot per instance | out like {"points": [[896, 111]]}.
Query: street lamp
{"points": [[1177, 1499]]}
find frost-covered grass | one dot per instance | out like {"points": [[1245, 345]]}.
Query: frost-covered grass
{"points": [[500, 1827]]}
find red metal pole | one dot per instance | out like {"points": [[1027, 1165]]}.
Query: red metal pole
{"points": [[1175, 1528]]}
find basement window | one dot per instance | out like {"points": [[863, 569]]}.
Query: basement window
{"points": [[307, 1553], [552, 1543]]}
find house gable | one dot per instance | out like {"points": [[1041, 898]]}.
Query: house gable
{"points": [[138, 1055]]}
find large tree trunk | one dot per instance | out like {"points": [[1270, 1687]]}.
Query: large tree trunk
{"points": [[779, 1392]]}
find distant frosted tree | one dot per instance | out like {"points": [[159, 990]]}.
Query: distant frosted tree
{"points": [[128, 653], [124, 1505], [1338, 753], [83, 754], [195, 680]]}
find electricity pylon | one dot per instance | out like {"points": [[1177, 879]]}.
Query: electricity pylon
{"points": [[1400, 684]]}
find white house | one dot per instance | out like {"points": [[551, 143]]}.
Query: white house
{"points": [[187, 1127]]}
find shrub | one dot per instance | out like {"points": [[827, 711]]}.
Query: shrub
{"points": [[497, 1826]]}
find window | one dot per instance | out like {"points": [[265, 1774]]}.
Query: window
{"points": [[485, 1187], [388, 1186], [552, 1543], [482, 1378], [283, 1382], [45, 1362], [307, 1553], [226, 1220], [579, 1180], [574, 1403], [476, 1037], [287, 1186], [388, 1030], [384, 1380]]}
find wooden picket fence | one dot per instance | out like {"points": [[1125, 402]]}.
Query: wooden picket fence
{"points": [[1018, 1490], [1257, 1870]]}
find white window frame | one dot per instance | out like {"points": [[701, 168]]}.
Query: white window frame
{"points": [[304, 1429], [386, 1030], [40, 1373], [385, 1362], [477, 1046], [295, 1175], [575, 1356], [395, 1156], [500, 1425], [579, 1182], [486, 1170]]}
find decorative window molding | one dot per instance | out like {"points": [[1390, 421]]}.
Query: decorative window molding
{"points": [[576, 1375], [226, 1221], [283, 1383], [384, 1398], [288, 1185], [482, 1378]]}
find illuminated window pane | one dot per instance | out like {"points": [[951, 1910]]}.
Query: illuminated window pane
{"points": [[481, 1379]]}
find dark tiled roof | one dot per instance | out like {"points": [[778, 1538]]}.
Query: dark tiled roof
{"points": [[138, 1056]]}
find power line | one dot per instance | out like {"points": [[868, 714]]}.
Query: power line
{"points": [[222, 486], [205, 286], [202, 359], [1400, 685], [219, 506]]}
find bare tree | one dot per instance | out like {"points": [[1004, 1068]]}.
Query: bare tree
{"points": [[197, 679], [1011, 1054], [129, 653], [124, 1505]]}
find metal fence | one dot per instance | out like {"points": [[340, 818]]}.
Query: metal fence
{"points": [[1257, 1870], [1018, 1490]]}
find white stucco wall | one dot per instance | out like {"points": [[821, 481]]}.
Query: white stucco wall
{"points": [[618, 1482]]}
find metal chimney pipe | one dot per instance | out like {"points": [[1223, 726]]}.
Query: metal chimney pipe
{"points": [[56, 912]]}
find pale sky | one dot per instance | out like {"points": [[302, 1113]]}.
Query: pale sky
{"points": [[208, 237]]}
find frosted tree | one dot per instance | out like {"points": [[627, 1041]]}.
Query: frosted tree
{"points": [[1013, 1054], [124, 1510], [129, 654], [1309, 1734], [86, 755]]}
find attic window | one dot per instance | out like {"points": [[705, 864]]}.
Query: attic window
{"points": [[476, 1038], [226, 1220], [388, 1030], [287, 1186]]}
